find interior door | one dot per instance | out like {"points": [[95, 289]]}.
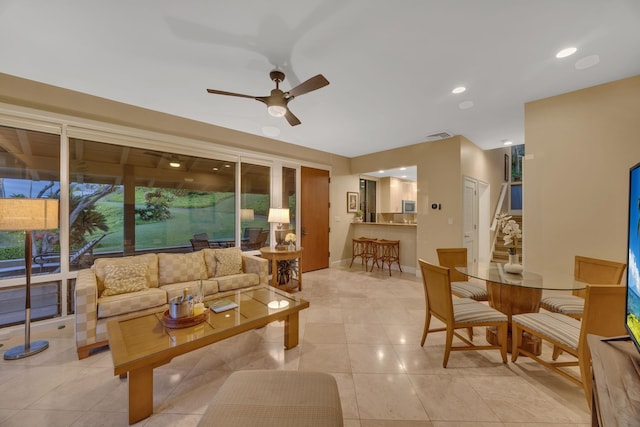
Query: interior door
{"points": [[470, 219], [314, 212]]}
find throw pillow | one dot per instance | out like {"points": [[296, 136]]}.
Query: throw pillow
{"points": [[124, 278], [210, 261], [176, 268], [228, 261], [151, 261]]}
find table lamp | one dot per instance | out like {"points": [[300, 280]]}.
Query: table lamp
{"points": [[280, 217], [247, 215], [27, 215]]}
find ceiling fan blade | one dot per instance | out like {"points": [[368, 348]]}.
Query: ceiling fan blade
{"points": [[291, 118], [221, 92], [312, 84]]}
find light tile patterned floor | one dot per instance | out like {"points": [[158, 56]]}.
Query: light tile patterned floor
{"points": [[364, 328]]}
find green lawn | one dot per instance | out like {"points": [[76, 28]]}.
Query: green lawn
{"points": [[217, 221]]}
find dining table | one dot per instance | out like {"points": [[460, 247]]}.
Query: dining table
{"points": [[516, 293]]}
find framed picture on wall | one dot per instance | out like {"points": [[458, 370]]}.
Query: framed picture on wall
{"points": [[352, 201]]}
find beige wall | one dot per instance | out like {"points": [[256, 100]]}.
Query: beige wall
{"points": [[579, 148], [441, 166], [440, 163], [17, 91]]}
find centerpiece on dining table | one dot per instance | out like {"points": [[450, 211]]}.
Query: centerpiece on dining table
{"points": [[511, 235]]}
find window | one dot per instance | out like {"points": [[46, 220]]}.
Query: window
{"points": [[254, 204], [368, 199], [515, 196], [289, 194], [29, 167], [126, 200]]}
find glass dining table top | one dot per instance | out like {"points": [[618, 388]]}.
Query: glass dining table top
{"points": [[494, 272]]}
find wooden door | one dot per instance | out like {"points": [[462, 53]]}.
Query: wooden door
{"points": [[314, 212]]}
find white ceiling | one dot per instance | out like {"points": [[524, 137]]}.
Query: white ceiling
{"points": [[391, 65]]}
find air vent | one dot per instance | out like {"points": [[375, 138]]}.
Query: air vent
{"points": [[439, 135]]}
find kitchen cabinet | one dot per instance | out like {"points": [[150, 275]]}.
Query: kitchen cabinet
{"points": [[393, 191]]}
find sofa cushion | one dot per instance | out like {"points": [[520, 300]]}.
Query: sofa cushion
{"points": [[175, 268], [237, 281], [210, 287], [210, 261], [131, 302], [124, 278], [228, 261], [150, 259]]}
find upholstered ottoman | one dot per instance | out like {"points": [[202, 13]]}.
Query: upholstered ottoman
{"points": [[275, 398]]}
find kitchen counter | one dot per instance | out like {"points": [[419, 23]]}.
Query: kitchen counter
{"points": [[406, 233]]}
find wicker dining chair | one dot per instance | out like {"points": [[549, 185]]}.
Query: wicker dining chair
{"points": [[458, 313], [461, 286]]}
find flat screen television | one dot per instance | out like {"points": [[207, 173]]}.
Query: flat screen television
{"points": [[633, 258]]}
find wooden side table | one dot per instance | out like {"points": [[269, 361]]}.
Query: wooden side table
{"points": [[283, 255]]}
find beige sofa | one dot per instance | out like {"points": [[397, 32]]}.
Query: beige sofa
{"points": [[117, 287]]}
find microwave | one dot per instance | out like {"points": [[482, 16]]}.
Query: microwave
{"points": [[409, 206]]}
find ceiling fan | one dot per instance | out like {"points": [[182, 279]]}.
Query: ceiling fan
{"points": [[278, 100]]}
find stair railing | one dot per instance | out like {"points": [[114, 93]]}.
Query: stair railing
{"points": [[494, 223]]}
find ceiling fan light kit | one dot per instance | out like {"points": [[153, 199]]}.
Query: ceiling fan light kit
{"points": [[277, 102], [277, 110]]}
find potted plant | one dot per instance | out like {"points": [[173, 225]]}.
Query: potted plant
{"points": [[358, 216]]}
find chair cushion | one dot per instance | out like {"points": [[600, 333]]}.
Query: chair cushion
{"points": [[174, 268], [466, 310], [555, 326], [565, 304], [469, 290], [128, 303], [124, 278]]}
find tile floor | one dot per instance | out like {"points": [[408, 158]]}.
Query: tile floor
{"points": [[363, 328]]}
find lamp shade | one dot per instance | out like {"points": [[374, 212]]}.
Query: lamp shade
{"points": [[28, 214], [280, 216], [246, 215]]}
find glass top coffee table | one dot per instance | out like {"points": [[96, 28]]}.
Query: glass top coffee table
{"points": [[141, 343]]}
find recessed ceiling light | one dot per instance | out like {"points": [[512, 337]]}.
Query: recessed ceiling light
{"points": [[403, 169], [380, 171], [566, 52], [459, 89], [507, 142], [215, 169], [465, 105], [587, 62], [227, 165]]}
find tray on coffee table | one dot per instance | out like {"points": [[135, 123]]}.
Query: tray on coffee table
{"points": [[182, 322]]}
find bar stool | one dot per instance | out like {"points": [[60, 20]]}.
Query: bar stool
{"points": [[386, 251], [362, 247]]}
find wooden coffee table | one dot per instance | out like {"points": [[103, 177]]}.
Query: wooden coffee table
{"points": [[141, 343]]}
